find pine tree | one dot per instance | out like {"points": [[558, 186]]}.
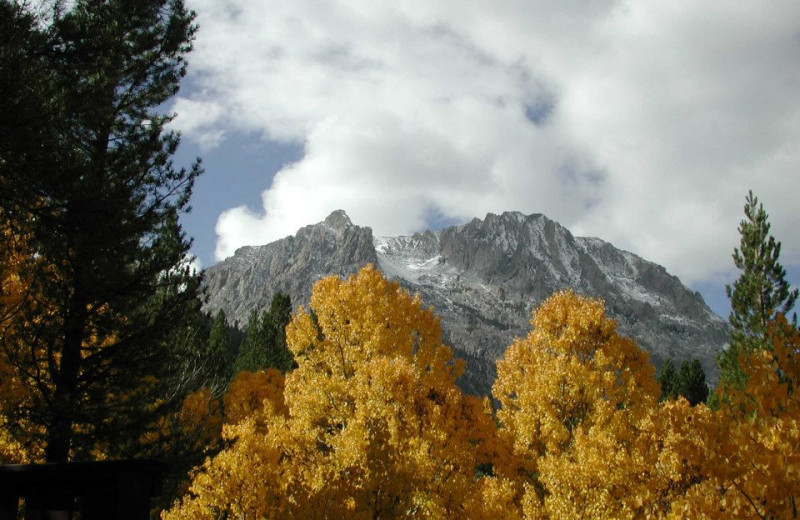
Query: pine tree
{"points": [[280, 314], [689, 382], [29, 105], [668, 378], [758, 295], [218, 351], [95, 192], [251, 356], [692, 382], [264, 345]]}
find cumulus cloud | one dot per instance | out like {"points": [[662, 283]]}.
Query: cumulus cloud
{"points": [[641, 123], [201, 120]]}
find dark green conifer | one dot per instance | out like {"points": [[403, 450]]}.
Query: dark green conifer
{"points": [[668, 378], [689, 382], [264, 345], [219, 353], [692, 382], [757, 296], [86, 174], [280, 314], [252, 354]]}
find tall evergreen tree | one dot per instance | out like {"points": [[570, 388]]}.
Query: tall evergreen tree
{"points": [[668, 378], [219, 352], [758, 295], [251, 356], [264, 345], [280, 314], [692, 382], [95, 192], [689, 382], [28, 104]]}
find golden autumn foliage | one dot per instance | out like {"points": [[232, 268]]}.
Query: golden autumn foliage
{"points": [[195, 427], [12, 285], [21, 441], [576, 400], [372, 425], [756, 464], [248, 391], [580, 408]]}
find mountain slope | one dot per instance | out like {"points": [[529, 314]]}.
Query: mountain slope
{"points": [[247, 280], [483, 278]]}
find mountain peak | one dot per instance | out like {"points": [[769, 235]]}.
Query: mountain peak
{"points": [[338, 220], [483, 278], [514, 217]]}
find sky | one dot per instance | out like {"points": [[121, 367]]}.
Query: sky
{"points": [[641, 123]]}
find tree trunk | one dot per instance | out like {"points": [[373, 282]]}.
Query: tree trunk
{"points": [[59, 429]]}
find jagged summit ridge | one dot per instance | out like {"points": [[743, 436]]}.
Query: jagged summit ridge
{"points": [[483, 278], [338, 221], [247, 281]]}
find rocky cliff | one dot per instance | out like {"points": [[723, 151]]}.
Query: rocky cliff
{"points": [[483, 278], [247, 280]]}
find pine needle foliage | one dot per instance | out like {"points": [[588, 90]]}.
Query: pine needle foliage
{"points": [[759, 294], [87, 178]]}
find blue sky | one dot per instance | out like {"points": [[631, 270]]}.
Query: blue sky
{"points": [[643, 124], [236, 173]]}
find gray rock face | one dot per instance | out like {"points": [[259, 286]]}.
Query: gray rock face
{"points": [[247, 281], [483, 278]]}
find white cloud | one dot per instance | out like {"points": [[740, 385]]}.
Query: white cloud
{"points": [[196, 265], [663, 115], [200, 120]]}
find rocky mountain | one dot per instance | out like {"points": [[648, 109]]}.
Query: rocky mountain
{"points": [[483, 278]]}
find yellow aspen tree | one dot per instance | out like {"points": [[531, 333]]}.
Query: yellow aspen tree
{"points": [[200, 421], [495, 498], [196, 429], [574, 396], [12, 287], [21, 440], [374, 427], [756, 465], [678, 443], [247, 392], [246, 479]]}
